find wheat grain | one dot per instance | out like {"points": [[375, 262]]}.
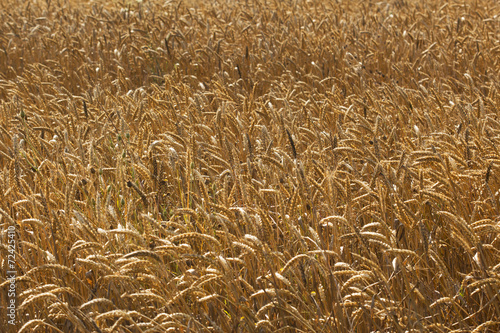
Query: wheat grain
{"points": [[268, 171]]}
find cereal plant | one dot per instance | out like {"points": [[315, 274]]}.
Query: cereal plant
{"points": [[250, 166]]}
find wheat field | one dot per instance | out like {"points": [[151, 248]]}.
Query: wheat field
{"points": [[250, 166]]}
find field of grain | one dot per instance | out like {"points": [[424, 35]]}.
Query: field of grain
{"points": [[250, 166]]}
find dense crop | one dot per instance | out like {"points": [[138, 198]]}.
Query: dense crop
{"points": [[251, 166]]}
